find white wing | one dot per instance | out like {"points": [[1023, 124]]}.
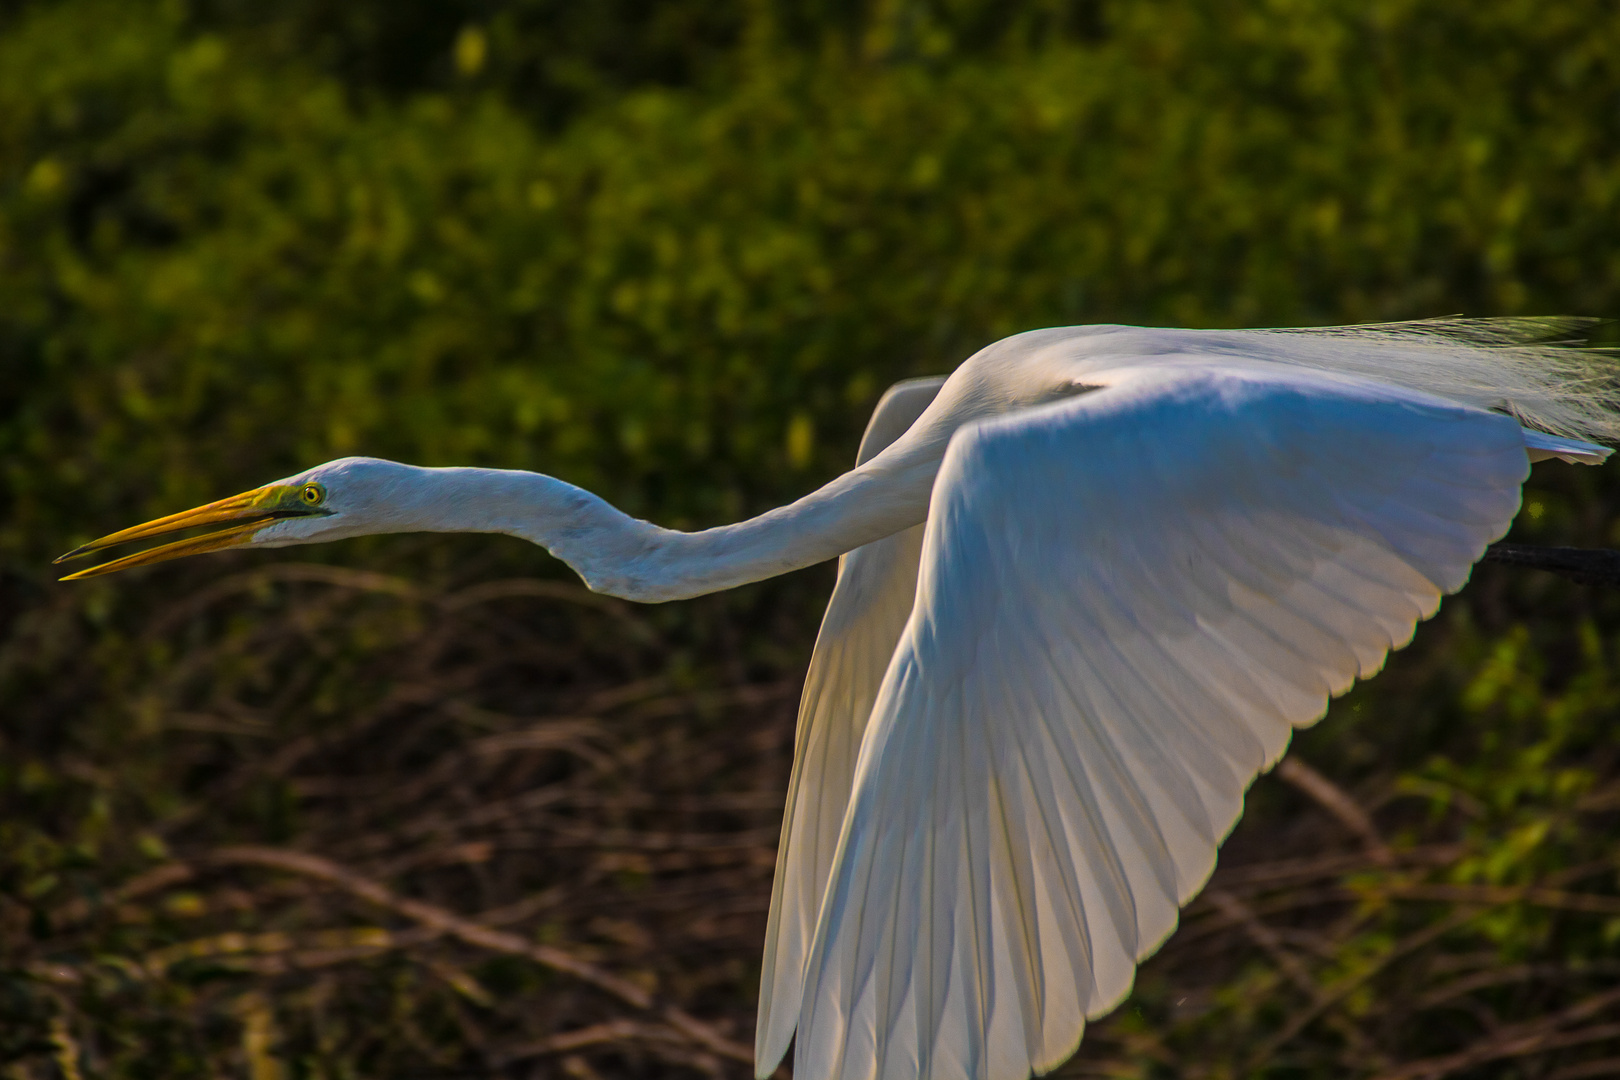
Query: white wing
{"points": [[1127, 602], [867, 612]]}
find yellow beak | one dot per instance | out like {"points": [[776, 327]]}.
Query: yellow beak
{"points": [[246, 513]]}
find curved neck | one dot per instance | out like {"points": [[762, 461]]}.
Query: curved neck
{"points": [[636, 560]]}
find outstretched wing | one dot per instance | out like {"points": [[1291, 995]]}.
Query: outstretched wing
{"points": [[868, 610], [1127, 602]]}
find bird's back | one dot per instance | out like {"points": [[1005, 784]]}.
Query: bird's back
{"points": [[1525, 367]]}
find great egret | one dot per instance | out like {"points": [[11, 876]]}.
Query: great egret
{"points": [[1090, 584]]}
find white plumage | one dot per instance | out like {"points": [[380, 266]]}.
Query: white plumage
{"points": [[1087, 684], [1090, 585]]}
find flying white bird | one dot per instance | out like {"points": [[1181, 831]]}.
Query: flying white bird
{"points": [[1090, 585]]}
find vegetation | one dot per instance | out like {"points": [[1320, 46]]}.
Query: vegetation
{"points": [[422, 806]]}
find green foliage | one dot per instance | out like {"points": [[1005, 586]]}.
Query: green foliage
{"points": [[673, 252], [219, 268]]}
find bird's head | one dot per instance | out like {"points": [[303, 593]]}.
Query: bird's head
{"points": [[347, 497]]}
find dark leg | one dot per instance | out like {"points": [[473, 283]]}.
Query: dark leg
{"points": [[1585, 566]]}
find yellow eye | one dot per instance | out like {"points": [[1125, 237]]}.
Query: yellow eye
{"points": [[313, 494]]}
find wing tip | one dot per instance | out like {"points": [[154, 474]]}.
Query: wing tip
{"points": [[772, 1036], [1542, 446]]}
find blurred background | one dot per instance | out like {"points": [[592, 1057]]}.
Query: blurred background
{"points": [[422, 806]]}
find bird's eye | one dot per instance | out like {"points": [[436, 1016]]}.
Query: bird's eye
{"points": [[313, 494]]}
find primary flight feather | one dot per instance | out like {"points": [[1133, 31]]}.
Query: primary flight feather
{"points": [[1089, 585]]}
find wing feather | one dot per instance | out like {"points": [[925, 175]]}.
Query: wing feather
{"points": [[1126, 603], [869, 606]]}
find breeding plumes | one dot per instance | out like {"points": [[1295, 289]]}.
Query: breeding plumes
{"points": [[1089, 585]]}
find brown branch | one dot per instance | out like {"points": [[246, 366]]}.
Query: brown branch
{"points": [[660, 1040], [455, 926], [153, 880], [611, 1031], [291, 754], [1332, 995], [1606, 1068], [539, 589], [1276, 873], [1517, 973], [1336, 801], [248, 581], [480, 936], [285, 951], [1290, 965], [1498, 895], [1264, 936], [1519, 1040]]}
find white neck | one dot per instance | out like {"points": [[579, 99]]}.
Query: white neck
{"points": [[623, 556]]}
